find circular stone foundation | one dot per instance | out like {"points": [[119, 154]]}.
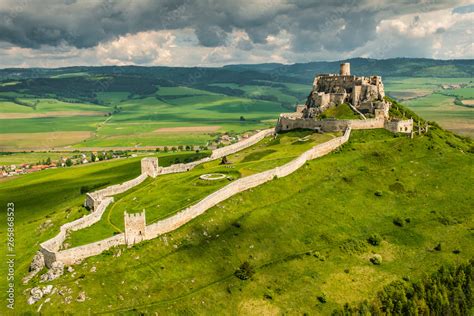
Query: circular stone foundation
{"points": [[212, 176]]}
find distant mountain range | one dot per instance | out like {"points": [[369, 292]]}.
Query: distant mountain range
{"points": [[300, 72], [394, 67]]}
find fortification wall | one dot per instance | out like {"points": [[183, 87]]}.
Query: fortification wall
{"points": [[99, 200], [91, 202], [50, 248], [240, 185], [149, 166], [402, 126], [72, 255], [120, 188], [252, 140], [286, 124]]}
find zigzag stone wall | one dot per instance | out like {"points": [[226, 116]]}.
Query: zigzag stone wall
{"points": [[98, 201], [252, 140], [240, 185]]}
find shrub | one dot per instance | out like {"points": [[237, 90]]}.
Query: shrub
{"points": [[236, 224], [353, 246], [245, 271], [322, 298], [376, 259], [438, 247], [374, 239], [378, 193], [396, 187], [398, 221]]}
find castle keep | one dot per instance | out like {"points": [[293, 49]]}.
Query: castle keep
{"points": [[364, 93]]}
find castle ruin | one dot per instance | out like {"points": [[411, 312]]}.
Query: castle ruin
{"points": [[364, 95]]}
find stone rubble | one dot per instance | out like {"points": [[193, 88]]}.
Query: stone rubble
{"points": [[57, 269]]}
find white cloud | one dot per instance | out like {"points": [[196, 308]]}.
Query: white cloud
{"points": [[442, 34]]}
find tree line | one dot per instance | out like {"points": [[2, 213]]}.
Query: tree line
{"points": [[448, 291]]}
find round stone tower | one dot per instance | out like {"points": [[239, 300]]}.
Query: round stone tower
{"points": [[345, 69]]}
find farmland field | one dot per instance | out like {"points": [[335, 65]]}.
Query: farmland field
{"points": [[427, 98]]}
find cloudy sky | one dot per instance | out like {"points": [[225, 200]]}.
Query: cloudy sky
{"points": [[54, 33]]}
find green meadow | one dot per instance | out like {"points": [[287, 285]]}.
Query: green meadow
{"points": [[426, 97], [304, 235]]}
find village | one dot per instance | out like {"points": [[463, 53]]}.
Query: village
{"points": [[80, 158]]}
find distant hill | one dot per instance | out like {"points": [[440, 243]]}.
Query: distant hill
{"points": [[299, 72], [394, 67]]}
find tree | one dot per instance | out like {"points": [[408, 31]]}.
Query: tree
{"points": [[374, 239], [242, 118], [93, 157], [48, 161], [68, 162], [245, 271]]}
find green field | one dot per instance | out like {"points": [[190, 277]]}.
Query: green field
{"points": [[304, 235], [426, 97], [28, 158]]}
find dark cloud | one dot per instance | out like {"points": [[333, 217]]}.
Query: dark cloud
{"points": [[221, 31], [335, 25]]}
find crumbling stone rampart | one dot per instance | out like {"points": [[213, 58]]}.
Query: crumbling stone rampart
{"points": [[98, 201], [240, 185], [287, 123], [136, 230]]}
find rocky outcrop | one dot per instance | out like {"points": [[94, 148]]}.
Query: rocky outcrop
{"points": [[57, 269], [37, 293], [36, 266]]}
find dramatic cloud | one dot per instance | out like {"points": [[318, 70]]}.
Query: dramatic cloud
{"points": [[211, 32]]}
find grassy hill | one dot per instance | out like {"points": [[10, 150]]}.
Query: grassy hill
{"points": [[301, 237]]}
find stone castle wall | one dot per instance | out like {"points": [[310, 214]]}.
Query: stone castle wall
{"points": [[252, 140], [51, 248], [402, 126], [150, 167], [119, 188], [135, 227], [288, 123], [73, 255], [98, 201], [240, 185]]}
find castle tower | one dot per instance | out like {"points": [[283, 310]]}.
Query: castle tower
{"points": [[135, 227], [345, 69], [150, 166]]}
